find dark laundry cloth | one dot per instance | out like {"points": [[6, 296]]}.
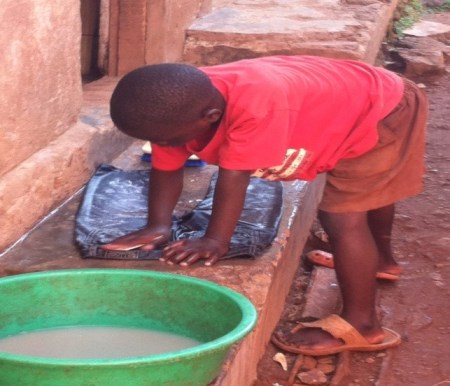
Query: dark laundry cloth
{"points": [[115, 204]]}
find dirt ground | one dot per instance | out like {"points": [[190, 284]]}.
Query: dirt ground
{"points": [[418, 305]]}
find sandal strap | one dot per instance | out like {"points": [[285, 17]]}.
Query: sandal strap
{"points": [[338, 328]]}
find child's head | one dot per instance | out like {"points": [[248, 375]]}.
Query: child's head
{"points": [[165, 103]]}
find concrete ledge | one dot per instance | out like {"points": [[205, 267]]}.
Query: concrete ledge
{"points": [[336, 28], [47, 178], [268, 280]]}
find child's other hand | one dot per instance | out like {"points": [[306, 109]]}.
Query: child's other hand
{"points": [[189, 251], [145, 239]]}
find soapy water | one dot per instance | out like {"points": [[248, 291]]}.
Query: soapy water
{"points": [[96, 342]]}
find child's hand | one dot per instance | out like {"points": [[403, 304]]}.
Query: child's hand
{"points": [[187, 252], [145, 239]]}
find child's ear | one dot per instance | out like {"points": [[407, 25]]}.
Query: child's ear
{"points": [[213, 115]]}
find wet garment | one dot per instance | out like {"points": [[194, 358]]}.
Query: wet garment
{"points": [[392, 170], [115, 204], [291, 117]]}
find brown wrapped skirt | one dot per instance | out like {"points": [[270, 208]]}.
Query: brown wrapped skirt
{"points": [[390, 171]]}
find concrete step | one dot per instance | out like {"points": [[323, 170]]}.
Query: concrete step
{"points": [[251, 28]]}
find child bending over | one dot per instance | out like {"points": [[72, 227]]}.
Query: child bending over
{"points": [[285, 118]]}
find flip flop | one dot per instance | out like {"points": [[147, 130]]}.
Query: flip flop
{"points": [[339, 329], [325, 259]]}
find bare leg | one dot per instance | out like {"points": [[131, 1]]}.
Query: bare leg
{"points": [[380, 224], [356, 262]]}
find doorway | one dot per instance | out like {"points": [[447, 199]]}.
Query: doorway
{"points": [[90, 27]]}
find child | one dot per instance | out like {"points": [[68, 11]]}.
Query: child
{"points": [[285, 117]]}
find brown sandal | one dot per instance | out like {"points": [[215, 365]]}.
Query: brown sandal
{"points": [[339, 329]]}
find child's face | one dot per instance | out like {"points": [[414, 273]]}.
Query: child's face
{"points": [[181, 135]]}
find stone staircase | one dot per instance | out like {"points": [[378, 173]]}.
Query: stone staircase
{"points": [[250, 28]]}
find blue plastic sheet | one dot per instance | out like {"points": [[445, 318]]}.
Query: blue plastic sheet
{"points": [[115, 204]]}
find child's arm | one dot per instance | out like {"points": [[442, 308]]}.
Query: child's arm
{"points": [[229, 197], [164, 192]]}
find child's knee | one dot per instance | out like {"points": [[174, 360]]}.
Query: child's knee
{"points": [[338, 225]]}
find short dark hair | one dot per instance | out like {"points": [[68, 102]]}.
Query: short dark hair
{"points": [[161, 95]]}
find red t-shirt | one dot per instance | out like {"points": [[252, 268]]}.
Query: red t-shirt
{"points": [[291, 117]]}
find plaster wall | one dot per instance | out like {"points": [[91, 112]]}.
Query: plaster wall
{"points": [[167, 22], [54, 132], [40, 76]]}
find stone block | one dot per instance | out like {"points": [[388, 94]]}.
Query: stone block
{"points": [[423, 56], [242, 30], [323, 295], [431, 29]]}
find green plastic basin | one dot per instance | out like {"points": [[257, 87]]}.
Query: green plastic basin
{"points": [[214, 315]]}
